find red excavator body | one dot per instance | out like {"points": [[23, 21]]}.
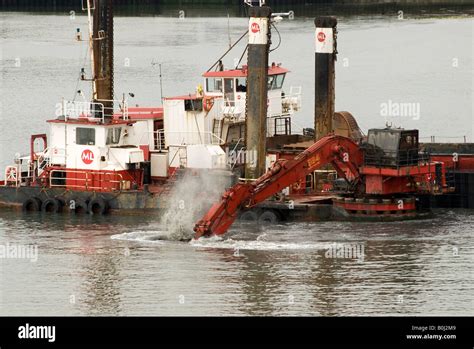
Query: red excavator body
{"points": [[388, 164]]}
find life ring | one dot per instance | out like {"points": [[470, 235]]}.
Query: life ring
{"points": [[208, 103]]}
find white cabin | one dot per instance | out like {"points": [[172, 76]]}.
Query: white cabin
{"points": [[214, 117]]}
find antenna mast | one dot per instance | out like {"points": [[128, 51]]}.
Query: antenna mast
{"points": [[91, 44]]}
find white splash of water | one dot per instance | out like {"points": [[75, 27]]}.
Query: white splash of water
{"points": [[192, 196]]}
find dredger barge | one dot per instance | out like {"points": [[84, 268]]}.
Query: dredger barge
{"points": [[102, 155]]}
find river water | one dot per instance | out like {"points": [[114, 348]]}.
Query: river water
{"points": [[115, 264]]}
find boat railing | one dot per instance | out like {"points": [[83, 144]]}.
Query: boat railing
{"points": [[290, 103], [55, 156], [179, 138], [86, 180], [444, 139], [232, 109], [48, 157], [161, 139], [92, 111], [110, 111], [278, 106], [41, 161], [96, 111], [283, 125]]}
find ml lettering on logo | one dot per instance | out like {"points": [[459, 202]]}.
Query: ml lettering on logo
{"points": [[321, 36], [255, 28], [87, 157]]}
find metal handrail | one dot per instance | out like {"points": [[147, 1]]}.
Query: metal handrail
{"points": [[61, 152], [122, 104], [395, 159], [76, 110], [205, 138], [290, 104], [214, 139], [444, 139], [93, 111], [86, 180]]}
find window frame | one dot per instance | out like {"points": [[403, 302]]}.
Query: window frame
{"points": [[113, 129], [214, 81], [87, 142]]}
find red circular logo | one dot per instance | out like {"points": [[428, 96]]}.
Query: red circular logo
{"points": [[321, 36], [87, 157], [255, 27]]}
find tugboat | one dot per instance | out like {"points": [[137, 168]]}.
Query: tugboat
{"points": [[103, 155]]}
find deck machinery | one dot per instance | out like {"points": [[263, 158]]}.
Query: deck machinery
{"points": [[383, 175]]}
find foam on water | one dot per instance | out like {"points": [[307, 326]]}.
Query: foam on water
{"points": [[257, 245], [153, 237], [216, 242]]}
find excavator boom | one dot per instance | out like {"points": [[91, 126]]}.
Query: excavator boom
{"points": [[341, 152]]}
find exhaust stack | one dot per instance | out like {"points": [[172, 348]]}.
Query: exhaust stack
{"points": [[326, 44], [103, 45], [257, 91]]}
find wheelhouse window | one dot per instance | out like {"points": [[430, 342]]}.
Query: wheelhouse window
{"points": [[279, 81], [214, 85], [85, 136], [193, 104], [228, 86], [113, 135], [229, 92], [271, 78], [241, 84], [275, 82]]}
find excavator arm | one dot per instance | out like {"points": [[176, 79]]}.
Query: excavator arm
{"points": [[341, 152]]}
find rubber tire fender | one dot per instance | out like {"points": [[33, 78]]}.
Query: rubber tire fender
{"points": [[248, 216], [51, 205], [98, 206], [269, 217], [80, 206], [32, 204]]}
